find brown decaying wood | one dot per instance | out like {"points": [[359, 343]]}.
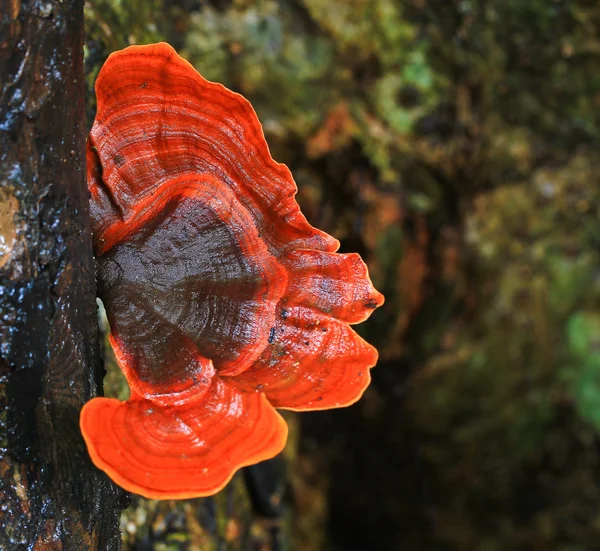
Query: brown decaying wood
{"points": [[52, 497]]}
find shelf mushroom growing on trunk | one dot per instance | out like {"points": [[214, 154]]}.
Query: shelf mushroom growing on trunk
{"points": [[224, 303]]}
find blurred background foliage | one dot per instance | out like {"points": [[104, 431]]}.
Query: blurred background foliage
{"points": [[455, 146]]}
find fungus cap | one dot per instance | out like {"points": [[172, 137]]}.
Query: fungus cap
{"points": [[223, 301]]}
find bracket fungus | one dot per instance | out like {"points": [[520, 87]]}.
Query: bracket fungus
{"points": [[224, 303]]}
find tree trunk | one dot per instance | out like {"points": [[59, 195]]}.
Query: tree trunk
{"points": [[51, 497]]}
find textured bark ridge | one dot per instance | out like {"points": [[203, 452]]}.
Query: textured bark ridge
{"points": [[51, 495]]}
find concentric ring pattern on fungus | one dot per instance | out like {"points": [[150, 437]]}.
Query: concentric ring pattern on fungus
{"points": [[223, 302]]}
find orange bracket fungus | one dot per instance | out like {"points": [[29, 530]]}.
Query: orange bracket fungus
{"points": [[223, 302]]}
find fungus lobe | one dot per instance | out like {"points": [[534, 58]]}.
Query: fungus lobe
{"points": [[223, 302]]}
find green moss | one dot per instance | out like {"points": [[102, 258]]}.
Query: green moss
{"points": [[497, 403]]}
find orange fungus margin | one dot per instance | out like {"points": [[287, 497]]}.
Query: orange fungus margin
{"points": [[224, 302]]}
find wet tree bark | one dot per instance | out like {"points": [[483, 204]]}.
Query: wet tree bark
{"points": [[51, 497]]}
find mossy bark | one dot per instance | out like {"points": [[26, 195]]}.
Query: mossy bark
{"points": [[52, 497]]}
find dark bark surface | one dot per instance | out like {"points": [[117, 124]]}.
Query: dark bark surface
{"points": [[51, 497]]}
